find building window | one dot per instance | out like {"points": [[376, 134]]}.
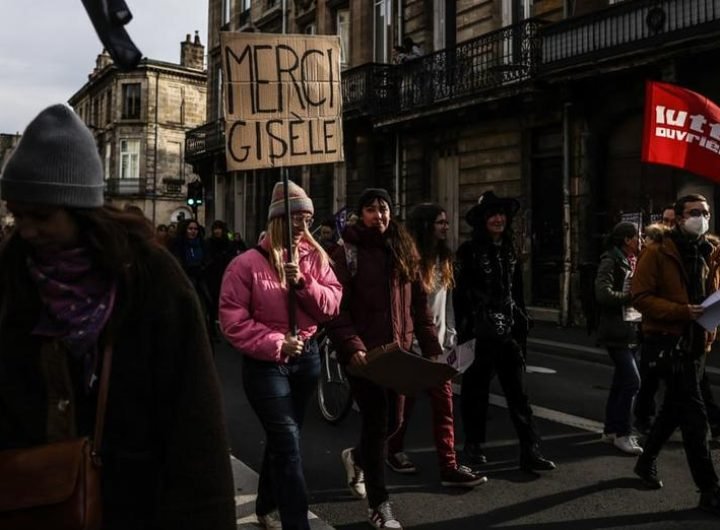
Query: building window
{"points": [[381, 29], [108, 158], [244, 5], [108, 107], [129, 159], [220, 95], [96, 112], [131, 101], [342, 30], [226, 11]]}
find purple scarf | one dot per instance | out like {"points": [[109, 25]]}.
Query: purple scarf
{"points": [[77, 302]]}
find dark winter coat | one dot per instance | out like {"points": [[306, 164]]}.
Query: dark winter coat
{"points": [[612, 299], [165, 452], [488, 297], [660, 287], [377, 307]]}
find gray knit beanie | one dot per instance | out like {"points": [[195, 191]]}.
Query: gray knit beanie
{"points": [[56, 162]]}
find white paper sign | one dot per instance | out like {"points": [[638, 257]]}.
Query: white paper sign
{"points": [[711, 317]]}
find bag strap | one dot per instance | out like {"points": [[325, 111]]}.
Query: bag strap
{"points": [[102, 401]]}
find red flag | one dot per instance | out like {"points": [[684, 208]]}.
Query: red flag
{"points": [[682, 129]]}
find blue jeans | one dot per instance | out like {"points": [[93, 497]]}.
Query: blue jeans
{"points": [[625, 385], [279, 393]]}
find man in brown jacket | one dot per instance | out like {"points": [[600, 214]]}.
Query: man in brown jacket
{"points": [[673, 277]]}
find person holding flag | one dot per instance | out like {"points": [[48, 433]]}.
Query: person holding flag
{"points": [[280, 364]]}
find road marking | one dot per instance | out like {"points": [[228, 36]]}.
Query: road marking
{"points": [[566, 346], [578, 422], [529, 369]]}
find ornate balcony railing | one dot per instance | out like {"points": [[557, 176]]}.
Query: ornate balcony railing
{"points": [[494, 60], [125, 186], [368, 89], [205, 141], [626, 26], [501, 58]]}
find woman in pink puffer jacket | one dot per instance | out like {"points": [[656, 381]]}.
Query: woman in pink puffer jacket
{"points": [[280, 369]]}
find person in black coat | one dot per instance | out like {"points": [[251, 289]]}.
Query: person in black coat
{"points": [[74, 276], [489, 307]]}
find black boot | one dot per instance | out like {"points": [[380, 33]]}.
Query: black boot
{"points": [[532, 460], [646, 469], [474, 453]]}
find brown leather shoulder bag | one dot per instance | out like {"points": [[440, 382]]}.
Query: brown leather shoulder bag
{"points": [[56, 485]]}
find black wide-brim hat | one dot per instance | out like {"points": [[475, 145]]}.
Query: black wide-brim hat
{"points": [[487, 202]]}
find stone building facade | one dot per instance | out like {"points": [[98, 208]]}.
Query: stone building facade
{"points": [[139, 119], [537, 99]]}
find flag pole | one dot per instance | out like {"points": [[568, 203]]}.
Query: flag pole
{"points": [[292, 295]]}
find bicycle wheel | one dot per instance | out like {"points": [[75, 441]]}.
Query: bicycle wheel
{"points": [[334, 396]]}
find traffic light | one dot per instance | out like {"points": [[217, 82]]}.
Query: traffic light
{"points": [[195, 193]]}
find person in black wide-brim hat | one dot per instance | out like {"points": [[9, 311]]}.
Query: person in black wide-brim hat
{"points": [[489, 307], [491, 203]]}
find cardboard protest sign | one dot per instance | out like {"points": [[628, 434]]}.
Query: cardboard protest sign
{"points": [[283, 100]]}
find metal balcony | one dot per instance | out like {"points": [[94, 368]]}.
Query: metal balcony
{"points": [[368, 90], [205, 141], [627, 28], [498, 59]]}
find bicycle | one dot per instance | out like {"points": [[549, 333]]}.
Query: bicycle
{"points": [[333, 390]]}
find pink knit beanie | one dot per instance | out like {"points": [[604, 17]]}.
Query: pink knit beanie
{"points": [[299, 201]]}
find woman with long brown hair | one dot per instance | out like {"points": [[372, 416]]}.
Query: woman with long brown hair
{"points": [[383, 302], [428, 224]]}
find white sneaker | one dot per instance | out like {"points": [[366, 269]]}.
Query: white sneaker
{"points": [[355, 475], [382, 517], [628, 444]]}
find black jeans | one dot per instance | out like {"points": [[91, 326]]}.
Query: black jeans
{"points": [[373, 402], [505, 358], [279, 393], [649, 383], [683, 406]]}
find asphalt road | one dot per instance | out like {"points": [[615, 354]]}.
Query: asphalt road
{"points": [[593, 487]]}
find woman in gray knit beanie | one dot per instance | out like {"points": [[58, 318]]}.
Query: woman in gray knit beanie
{"points": [[75, 277]]}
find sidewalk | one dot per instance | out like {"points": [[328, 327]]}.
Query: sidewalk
{"points": [[245, 491], [549, 338]]}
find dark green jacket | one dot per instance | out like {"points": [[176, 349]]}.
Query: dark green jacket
{"points": [[165, 453], [612, 330]]}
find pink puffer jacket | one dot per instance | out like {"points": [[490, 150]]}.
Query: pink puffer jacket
{"points": [[254, 306]]}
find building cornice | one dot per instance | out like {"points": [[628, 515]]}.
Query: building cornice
{"points": [[110, 72]]}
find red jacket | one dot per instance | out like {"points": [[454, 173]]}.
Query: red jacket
{"points": [[377, 308]]}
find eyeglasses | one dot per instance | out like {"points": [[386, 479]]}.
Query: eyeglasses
{"points": [[299, 219], [697, 212]]}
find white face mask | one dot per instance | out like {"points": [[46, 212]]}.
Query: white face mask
{"points": [[697, 226]]}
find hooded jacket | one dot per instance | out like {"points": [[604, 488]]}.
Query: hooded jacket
{"points": [[377, 307]]}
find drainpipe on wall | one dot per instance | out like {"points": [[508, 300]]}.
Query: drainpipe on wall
{"points": [[157, 100], [284, 19], [567, 242]]}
